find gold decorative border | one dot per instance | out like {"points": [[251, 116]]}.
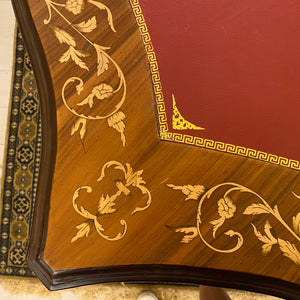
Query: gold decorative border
{"points": [[184, 138]]}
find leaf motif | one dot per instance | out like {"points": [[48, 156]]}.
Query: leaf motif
{"points": [[82, 211], [258, 234], [296, 224], [88, 100], [232, 233], [256, 209], [193, 192], [266, 248], [109, 15], [139, 172], [129, 172], [263, 238], [83, 230], [190, 233], [85, 213], [217, 224], [267, 229], [63, 36], [75, 127], [106, 205], [289, 250], [116, 121], [88, 189], [98, 226], [268, 239], [79, 88], [276, 212], [102, 60], [65, 56], [87, 26], [75, 56]]}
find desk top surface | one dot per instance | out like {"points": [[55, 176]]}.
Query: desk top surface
{"points": [[170, 148]]}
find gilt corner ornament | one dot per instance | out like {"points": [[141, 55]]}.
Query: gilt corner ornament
{"points": [[179, 122]]}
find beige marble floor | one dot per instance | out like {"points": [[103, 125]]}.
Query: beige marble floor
{"points": [[29, 289], [7, 23]]}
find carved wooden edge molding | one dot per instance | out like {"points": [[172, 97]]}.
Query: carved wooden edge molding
{"points": [[55, 280]]}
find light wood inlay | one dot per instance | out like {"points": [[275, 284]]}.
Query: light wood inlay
{"points": [[152, 187]]}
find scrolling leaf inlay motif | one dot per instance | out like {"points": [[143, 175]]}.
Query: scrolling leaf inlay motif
{"points": [[227, 209], [106, 203], [102, 91]]}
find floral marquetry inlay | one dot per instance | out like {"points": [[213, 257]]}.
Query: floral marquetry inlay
{"points": [[103, 90], [106, 203], [227, 209]]}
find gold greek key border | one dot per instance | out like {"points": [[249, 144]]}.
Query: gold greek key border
{"points": [[187, 139]]}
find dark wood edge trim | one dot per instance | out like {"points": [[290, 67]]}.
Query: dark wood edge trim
{"points": [[49, 136], [174, 274], [163, 274]]}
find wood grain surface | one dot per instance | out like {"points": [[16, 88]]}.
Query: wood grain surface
{"points": [[144, 209]]}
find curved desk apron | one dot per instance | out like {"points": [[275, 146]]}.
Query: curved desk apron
{"points": [[170, 142]]}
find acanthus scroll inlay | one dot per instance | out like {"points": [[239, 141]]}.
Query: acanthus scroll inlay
{"points": [[103, 91], [106, 203], [227, 209]]}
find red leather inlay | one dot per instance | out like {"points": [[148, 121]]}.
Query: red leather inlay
{"points": [[234, 68]]}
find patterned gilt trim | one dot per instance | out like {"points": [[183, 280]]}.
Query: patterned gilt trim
{"points": [[162, 117], [187, 139]]}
